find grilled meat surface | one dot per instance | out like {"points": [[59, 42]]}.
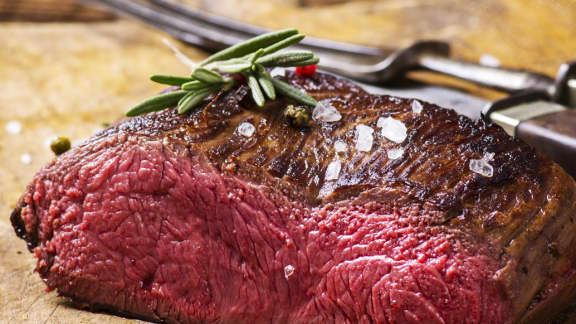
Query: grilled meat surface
{"points": [[181, 218]]}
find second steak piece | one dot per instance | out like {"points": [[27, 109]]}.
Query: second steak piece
{"points": [[189, 218]]}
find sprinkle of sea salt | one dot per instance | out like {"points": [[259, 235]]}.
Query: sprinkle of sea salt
{"points": [[181, 56], [326, 112], [288, 271], [340, 146], [246, 129], [364, 138], [26, 158], [489, 60], [392, 129], [416, 107], [333, 170], [395, 153], [13, 127], [482, 166]]}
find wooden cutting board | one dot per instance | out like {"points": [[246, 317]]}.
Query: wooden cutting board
{"points": [[70, 78]]}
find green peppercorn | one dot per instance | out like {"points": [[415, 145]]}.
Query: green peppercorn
{"points": [[297, 115], [60, 145]]}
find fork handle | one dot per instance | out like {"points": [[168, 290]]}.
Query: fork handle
{"points": [[504, 79]]}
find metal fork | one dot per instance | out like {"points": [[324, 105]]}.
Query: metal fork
{"points": [[363, 63]]}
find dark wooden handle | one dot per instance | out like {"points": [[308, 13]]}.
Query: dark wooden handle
{"points": [[50, 10], [554, 135]]}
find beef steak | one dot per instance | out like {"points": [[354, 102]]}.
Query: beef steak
{"points": [[184, 219]]}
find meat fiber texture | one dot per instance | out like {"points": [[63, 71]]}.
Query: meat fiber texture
{"points": [[186, 219]]}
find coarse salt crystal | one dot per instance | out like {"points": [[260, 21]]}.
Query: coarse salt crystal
{"points": [[246, 129], [489, 60], [395, 153], [288, 271], [482, 166], [26, 158], [13, 127], [326, 112], [392, 129], [416, 107], [364, 138], [333, 170], [340, 146]]}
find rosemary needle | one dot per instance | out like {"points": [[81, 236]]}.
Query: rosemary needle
{"points": [[285, 59], [293, 93], [169, 79], [193, 85], [295, 39], [250, 45], [250, 59], [159, 102], [192, 100], [257, 94], [266, 83], [207, 76]]}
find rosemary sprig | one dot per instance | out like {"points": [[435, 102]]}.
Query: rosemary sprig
{"points": [[249, 58]]}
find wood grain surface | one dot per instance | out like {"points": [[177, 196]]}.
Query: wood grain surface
{"points": [[70, 78]]}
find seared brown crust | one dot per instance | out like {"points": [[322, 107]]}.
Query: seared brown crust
{"points": [[439, 142], [524, 211]]}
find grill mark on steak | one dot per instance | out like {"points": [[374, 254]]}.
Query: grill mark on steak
{"points": [[387, 235]]}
